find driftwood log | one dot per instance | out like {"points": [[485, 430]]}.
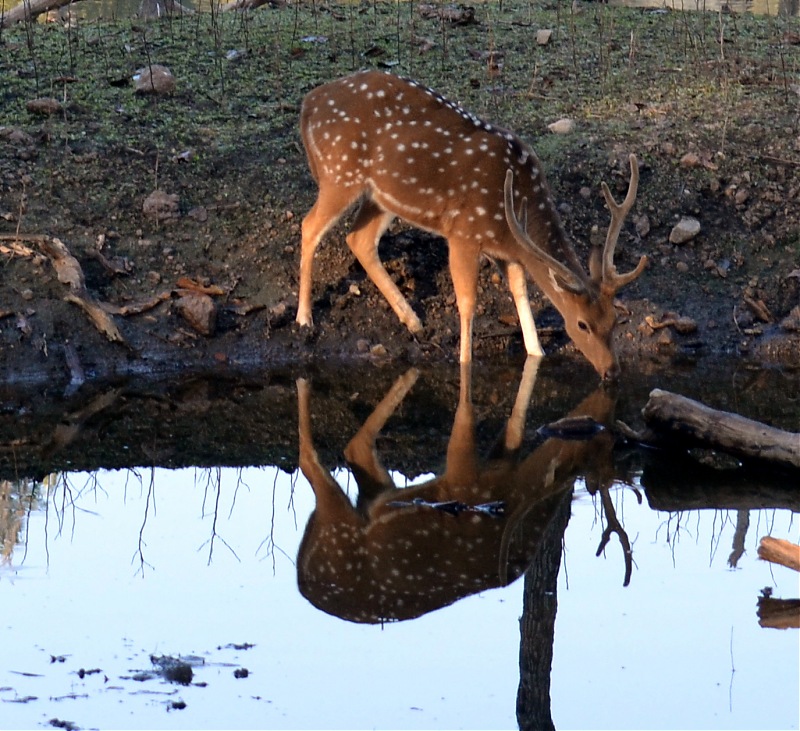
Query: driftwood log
{"points": [[679, 421]]}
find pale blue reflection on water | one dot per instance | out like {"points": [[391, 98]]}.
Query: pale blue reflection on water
{"points": [[129, 570]]}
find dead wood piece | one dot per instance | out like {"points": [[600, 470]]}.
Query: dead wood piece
{"points": [[135, 308], [777, 550], [29, 10], [690, 423], [67, 267], [116, 266], [99, 317], [16, 249], [187, 285]]}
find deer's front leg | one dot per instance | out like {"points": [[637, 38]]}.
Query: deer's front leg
{"points": [[518, 285], [464, 263]]}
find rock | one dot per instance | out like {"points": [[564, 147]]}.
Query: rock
{"points": [[690, 160], [562, 126], [16, 136], [791, 323], [199, 214], [378, 351], [199, 311], [155, 79], [685, 325], [543, 36], [642, 226], [685, 230], [161, 206], [682, 267], [44, 106]]}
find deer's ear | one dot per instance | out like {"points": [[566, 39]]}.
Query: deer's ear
{"points": [[571, 285]]}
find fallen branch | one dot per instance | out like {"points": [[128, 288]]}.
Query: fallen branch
{"points": [[776, 550], [135, 308], [98, 316], [69, 272], [675, 420]]}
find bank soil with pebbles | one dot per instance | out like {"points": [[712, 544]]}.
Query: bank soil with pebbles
{"points": [[181, 211]]}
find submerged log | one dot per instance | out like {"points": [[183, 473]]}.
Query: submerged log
{"points": [[676, 419], [776, 550]]}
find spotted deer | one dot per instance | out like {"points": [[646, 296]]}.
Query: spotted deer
{"points": [[402, 552], [404, 151]]}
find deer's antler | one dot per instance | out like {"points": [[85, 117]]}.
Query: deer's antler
{"points": [[609, 277]]}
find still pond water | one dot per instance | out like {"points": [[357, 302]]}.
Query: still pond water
{"points": [[106, 570]]}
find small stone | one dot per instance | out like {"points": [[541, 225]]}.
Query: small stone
{"points": [[362, 345], [378, 351], [791, 323], [155, 79], [685, 230], [44, 106], [690, 160], [161, 206], [643, 226], [199, 311], [562, 126], [682, 267], [664, 338], [685, 325], [27, 294], [543, 36], [741, 196], [199, 214], [354, 290]]}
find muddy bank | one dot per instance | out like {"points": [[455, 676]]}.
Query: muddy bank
{"points": [[720, 144]]}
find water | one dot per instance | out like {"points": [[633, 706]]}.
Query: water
{"points": [[106, 567]]}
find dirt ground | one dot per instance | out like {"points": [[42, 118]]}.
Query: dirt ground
{"points": [[715, 124]]}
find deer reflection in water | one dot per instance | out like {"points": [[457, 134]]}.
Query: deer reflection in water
{"points": [[403, 552]]}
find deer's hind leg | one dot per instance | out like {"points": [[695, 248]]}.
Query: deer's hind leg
{"points": [[331, 204], [370, 223]]}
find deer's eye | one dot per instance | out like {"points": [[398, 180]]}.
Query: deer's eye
{"points": [[583, 326]]}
